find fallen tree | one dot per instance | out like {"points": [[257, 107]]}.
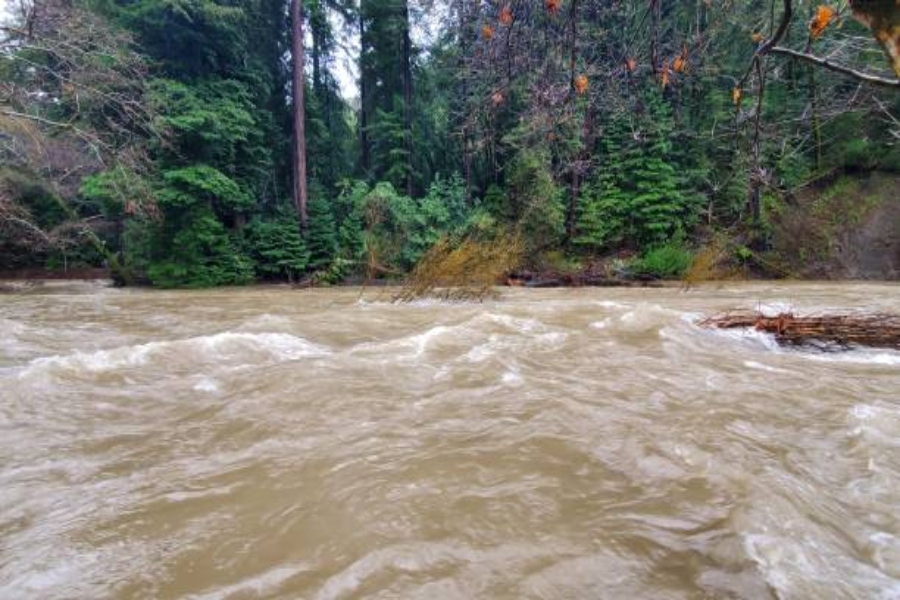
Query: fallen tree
{"points": [[462, 270], [841, 331]]}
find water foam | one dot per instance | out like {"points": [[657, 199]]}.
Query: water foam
{"points": [[221, 347], [265, 584]]}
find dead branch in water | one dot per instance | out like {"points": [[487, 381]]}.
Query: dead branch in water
{"points": [[874, 330]]}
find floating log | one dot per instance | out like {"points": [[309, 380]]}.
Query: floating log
{"points": [[841, 331]]}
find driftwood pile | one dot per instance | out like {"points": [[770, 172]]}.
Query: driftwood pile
{"points": [[835, 331]]}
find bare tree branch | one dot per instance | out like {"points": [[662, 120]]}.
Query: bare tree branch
{"points": [[770, 43], [87, 137], [837, 68]]}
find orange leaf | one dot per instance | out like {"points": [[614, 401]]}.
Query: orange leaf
{"points": [[664, 75], [679, 64], [581, 84], [736, 94], [506, 15], [823, 17], [552, 5], [487, 32], [757, 37]]}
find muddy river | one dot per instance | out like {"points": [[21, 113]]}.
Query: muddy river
{"points": [[583, 443]]}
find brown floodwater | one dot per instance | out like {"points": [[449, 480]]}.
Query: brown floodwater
{"points": [[581, 443]]}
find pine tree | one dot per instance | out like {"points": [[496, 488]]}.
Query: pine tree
{"points": [[321, 235]]}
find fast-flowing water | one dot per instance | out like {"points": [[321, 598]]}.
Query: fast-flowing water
{"points": [[581, 443]]}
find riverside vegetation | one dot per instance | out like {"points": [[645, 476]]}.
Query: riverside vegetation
{"points": [[194, 143]]}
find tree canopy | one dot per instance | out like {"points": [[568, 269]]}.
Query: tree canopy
{"points": [[203, 142]]}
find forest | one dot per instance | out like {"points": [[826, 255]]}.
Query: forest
{"points": [[195, 143]]}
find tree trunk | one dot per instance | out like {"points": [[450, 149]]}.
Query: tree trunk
{"points": [[316, 61], [363, 97], [407, 100], [299, 110], [463, 32]]}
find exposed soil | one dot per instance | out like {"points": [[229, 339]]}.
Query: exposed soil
{"points": [[847, 230]]}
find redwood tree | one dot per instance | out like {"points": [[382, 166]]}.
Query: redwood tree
{"points": [[299, 109]]}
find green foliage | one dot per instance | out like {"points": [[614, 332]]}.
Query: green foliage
{"points": [[444, 206], [349, 209], [440, 212], [136, 249], [212, 122], [640, 196], [197, 251], [321, 235], [276, 247], [792, 169], [382, 69], [391, 228], [480, 224], [860, 153], [667, 261], [191, 37], [602, 214], [495, 201], [743, 254], [116, 191], [202, 184], [186, 115], [535, 200]]}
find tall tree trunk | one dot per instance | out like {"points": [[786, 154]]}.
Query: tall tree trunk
{"points": [[316, 59], [363, 97], [575, 188], [407, 100], [757, 173], [654, 41], [299, 110], [464, 97]]}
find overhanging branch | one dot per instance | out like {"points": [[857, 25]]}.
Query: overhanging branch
{"points": [[837, 68], [786, 15]]}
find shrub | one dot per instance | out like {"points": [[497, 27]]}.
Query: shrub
{"points": [[860, 154], [667, 261], [196, 251]]}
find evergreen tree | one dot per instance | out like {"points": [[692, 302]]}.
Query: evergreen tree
{"points": [[321, 237], [639, 196]]}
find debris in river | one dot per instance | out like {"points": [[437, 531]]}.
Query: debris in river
{"points": [[841, 331], [466, 269]]}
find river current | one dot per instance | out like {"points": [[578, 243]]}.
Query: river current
{"points": [[325, 444]]}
